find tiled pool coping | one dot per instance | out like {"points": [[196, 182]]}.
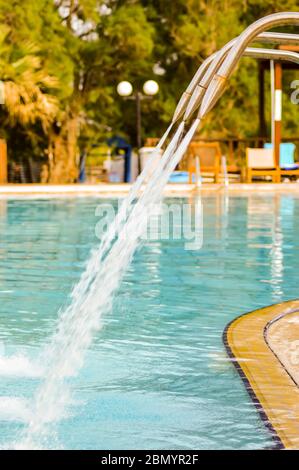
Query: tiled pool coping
{"points": [[260, 344]]}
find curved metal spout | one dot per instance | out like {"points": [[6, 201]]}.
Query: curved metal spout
{"points": [[274, 54], [277, 19], [217, 84], [277, 38], [200, 88], [210, 66], [254, 52], [182, 104]]}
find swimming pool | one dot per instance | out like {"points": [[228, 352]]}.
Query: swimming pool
{"points": [[157, 376]]}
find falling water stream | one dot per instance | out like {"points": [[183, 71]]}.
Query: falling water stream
{"points": [[92, 297]]}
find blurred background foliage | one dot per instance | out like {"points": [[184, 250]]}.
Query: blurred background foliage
{"points": [[62, 59]]}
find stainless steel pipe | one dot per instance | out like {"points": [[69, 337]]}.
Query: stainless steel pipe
{"points": [[214, 61], [254, 52], [218, 82]]}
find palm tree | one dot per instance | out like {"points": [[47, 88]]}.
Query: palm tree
{"points": [[26, 84]]}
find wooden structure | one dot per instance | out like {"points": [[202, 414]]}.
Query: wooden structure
{"points": [[277, 97], [210, 159], [3, 162]]}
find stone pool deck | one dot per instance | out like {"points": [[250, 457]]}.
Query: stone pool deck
{"points": [[264, 346], [110, 190]]}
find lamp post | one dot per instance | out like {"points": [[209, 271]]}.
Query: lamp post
{"points": [[125, 90]]}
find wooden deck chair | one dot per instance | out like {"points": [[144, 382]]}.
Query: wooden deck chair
{"points": [[261, 162], [288, 166], [210, 159]]}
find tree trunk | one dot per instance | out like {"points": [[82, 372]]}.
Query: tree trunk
{"points": [[63, 153]]}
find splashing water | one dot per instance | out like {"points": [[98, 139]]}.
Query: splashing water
{"points": [[19, 366], [14, 409], [92, 296]]}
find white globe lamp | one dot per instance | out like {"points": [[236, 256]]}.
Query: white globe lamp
{"points": [[151, 88], [124, 88]]}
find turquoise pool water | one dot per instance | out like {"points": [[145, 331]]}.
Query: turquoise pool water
{"points": [[157, 375]]}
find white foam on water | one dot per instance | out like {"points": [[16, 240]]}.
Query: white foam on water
{"points": [[19, 366], [14, 409], [93, 295]]}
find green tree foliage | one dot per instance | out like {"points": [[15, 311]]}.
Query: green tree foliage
{"points": [[193, 29], [62, 59], [25, 84]]}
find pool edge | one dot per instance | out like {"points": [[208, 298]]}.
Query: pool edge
{"points": [[248, 368]]}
